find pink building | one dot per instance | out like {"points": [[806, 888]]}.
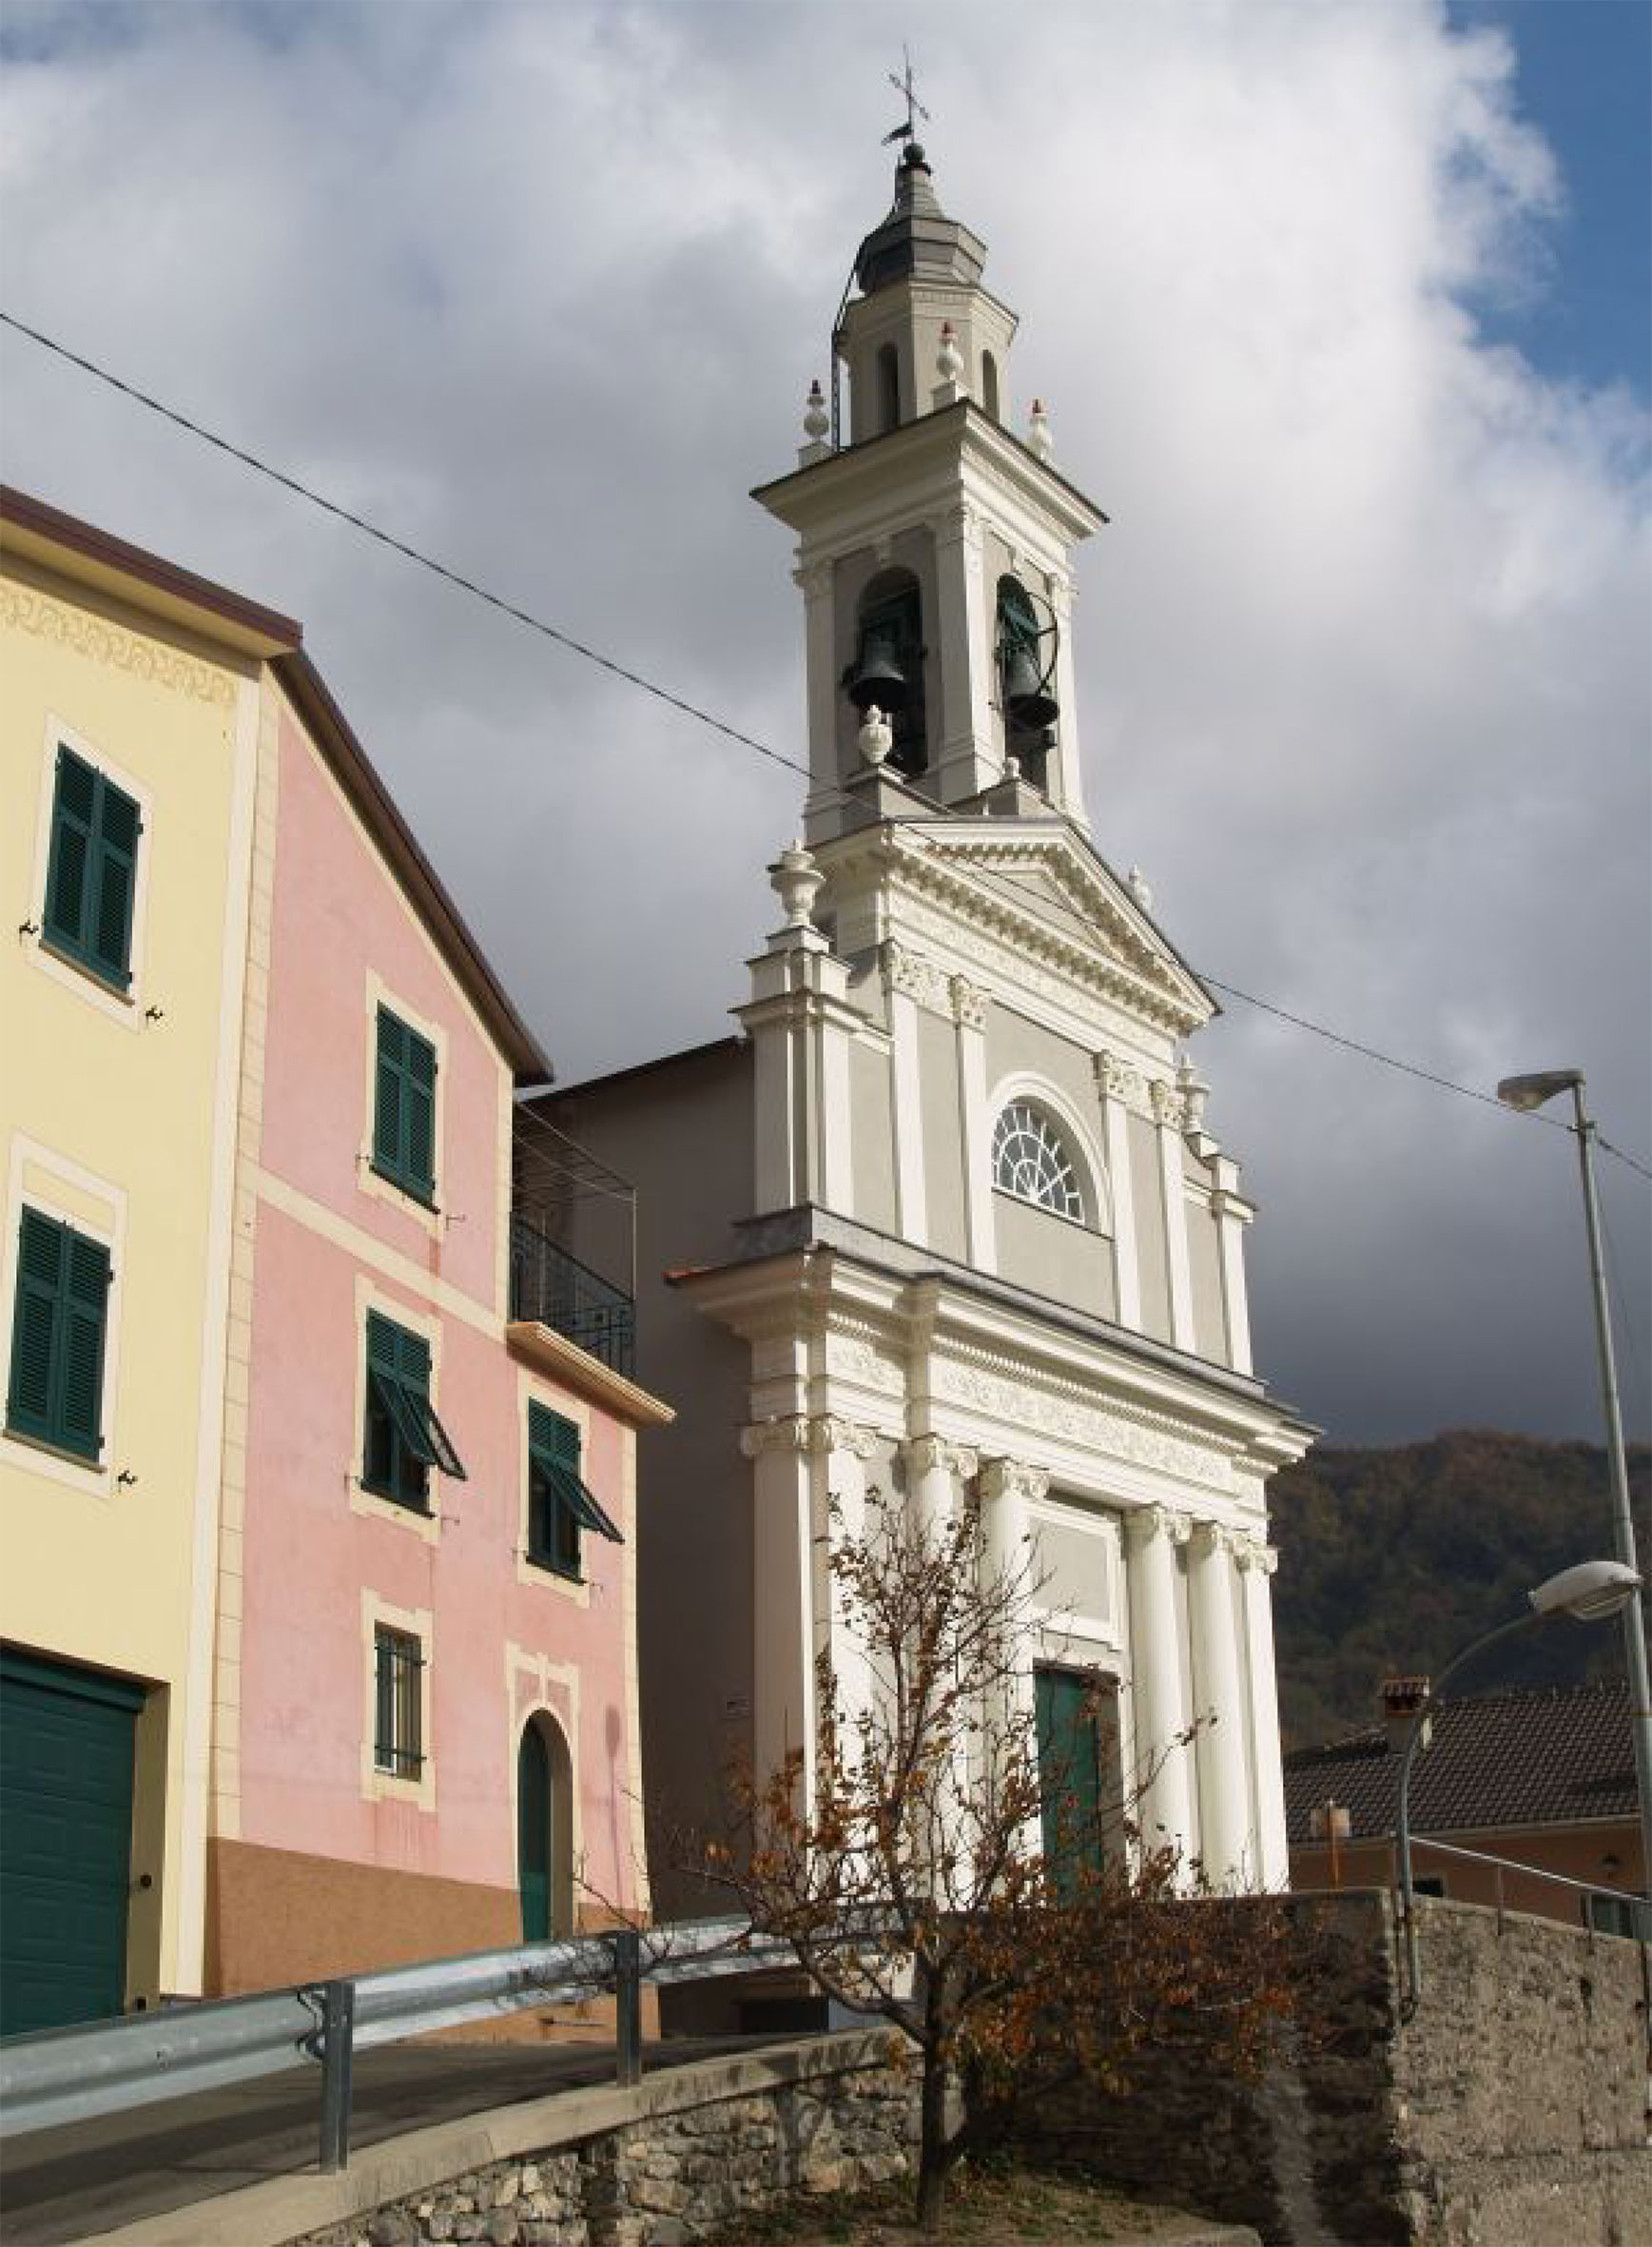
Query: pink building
{"points": [[425, 1728]]}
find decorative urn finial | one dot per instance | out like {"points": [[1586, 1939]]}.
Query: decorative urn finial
{"points": [[1194, 1093], [948, 359], [1137, 882], [876, 737], [795, 879], [816, 421], [1039, 442]]}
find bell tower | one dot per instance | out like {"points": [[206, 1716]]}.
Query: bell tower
{"points": [[934, 546]]}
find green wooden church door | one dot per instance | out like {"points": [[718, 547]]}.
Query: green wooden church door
{"points": [[1069, 1772]]}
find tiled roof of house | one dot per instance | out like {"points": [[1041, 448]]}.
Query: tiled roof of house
{"points": [[1550, 1756]]}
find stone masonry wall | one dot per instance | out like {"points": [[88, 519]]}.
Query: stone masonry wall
{"points": [[1510, 2107], [670, 2177]]}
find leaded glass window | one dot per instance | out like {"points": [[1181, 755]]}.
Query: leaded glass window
{"points": [[1030, 1162]]}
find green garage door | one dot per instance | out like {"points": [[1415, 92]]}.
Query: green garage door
{"points": [[65, 1842]]}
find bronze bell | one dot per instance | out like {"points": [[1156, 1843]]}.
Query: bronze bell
{"points": [[1026, 690], [879, 677]]}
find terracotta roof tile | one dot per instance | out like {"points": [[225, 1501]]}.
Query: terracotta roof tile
{"points": [[1547, 1756]]}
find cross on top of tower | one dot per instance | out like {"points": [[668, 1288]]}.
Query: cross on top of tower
{"points": [[906, 87]]}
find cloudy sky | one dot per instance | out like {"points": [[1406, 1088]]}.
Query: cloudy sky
{"points": [[1341, 313]]}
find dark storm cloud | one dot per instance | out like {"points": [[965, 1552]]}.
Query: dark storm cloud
{"points": [[1360, 658]]}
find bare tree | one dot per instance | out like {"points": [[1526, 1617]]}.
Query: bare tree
{"points": [[1005, 1917]]}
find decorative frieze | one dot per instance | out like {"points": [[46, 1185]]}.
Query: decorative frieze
{"points": [[857, 1358], [1124, 1435], [101, 642]]}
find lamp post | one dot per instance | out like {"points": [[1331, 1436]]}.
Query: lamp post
{"points": [[1527, 1093], [1588, 1593]]}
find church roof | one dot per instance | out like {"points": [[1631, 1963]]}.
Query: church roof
{"points": [[918, 236], [1545, 1757]]}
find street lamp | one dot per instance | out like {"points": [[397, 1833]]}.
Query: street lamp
{"points": [[1527, 1093], [1588, 1593]]}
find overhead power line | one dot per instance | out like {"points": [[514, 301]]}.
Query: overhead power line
{"points": [[636, 678]]}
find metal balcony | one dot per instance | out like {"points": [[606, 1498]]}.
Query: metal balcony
{"points": [[556, 1289]]}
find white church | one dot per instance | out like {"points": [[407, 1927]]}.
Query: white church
{"points": [[945, 1214]]}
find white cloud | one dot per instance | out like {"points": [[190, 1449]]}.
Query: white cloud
{"points": [[1361, 656]]}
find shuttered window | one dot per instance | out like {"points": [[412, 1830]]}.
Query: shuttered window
{"points": [[56, 1390], [92, 872], [561, 1505], [404, 1107], [404, 1438]]}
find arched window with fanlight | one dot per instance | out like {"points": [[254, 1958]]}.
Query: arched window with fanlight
{"points": [[1031, 1162]]}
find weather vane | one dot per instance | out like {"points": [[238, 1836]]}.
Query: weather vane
{"points": [[903, 84]]}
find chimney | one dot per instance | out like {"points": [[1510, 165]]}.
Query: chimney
{"points": [[1400, 1698]]}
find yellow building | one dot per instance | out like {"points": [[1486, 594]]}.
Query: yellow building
{"points": [[130, 709]]}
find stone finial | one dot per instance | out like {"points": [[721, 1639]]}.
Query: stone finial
{"points": [[1039, 442], [948, 359], [796, 879], [1194, 1093], [876, 737], [816, 421], [1137, 882]]}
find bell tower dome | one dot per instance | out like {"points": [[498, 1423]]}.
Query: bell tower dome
{"points": [[934, 546]]}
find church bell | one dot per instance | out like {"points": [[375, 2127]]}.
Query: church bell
{"points": [[1026, 690], [878, 676]]}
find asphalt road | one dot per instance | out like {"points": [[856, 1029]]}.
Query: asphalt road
{"points": [[60, 2186]]}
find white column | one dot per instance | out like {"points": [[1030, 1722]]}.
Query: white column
{"points": [[1233, 1213], [845, 1449], [1008, 1489], [906, 1105], [969, 1005], [935, 1469], [1219, 1749], [963, 753], [784, 1620], [1167, 1114], [1152, 1533], [1257, 1562], [1114, 1079]]}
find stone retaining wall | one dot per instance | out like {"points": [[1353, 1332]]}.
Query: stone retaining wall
{"points": [[841, 2119], [1510, 2107]]}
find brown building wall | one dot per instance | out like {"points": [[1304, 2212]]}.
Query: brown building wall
{"points": [[1607, 1856], [278, 1916]]}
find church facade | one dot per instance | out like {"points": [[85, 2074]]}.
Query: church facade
{"points": [[946, 1215]]}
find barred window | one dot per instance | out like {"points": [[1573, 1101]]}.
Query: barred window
{"points": [[1030, 1162], [397, 1679]]}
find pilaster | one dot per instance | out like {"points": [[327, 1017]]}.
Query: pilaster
{"points": [[822, 807], [906, 1105], [1069, 791], [1167, 1114], [801, 1026], [1113, 1080], [784, 1623], [969, 1007], [1233, 1213], [966, 759]]}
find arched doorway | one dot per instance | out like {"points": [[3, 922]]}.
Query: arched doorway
{"points": [[544, 1830]]}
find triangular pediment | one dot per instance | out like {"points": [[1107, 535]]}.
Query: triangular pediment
{"points": [[1038, 893]]}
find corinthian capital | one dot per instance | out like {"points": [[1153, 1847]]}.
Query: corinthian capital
{"points": [[1256, 1552], [1211, 1537], [969, 1003], [1011, 1478], [829, 1432], [1168, 1105], [1143, 1523], [788, 1432], [925, 1454]]}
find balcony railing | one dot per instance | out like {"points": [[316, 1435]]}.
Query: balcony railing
{"points": [[556, 1289]]}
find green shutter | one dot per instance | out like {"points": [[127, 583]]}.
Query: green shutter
{"points": [[40, 1256], [404, 1106], [110, 935], [91, 875], [73, 810], [57, 1336]]}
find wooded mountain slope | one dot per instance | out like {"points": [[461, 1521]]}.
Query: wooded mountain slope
{"points": [[1390, 1561]]}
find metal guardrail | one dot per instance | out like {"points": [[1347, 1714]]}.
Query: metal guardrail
{"points": [[548, 1284], [109, 2067]]}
